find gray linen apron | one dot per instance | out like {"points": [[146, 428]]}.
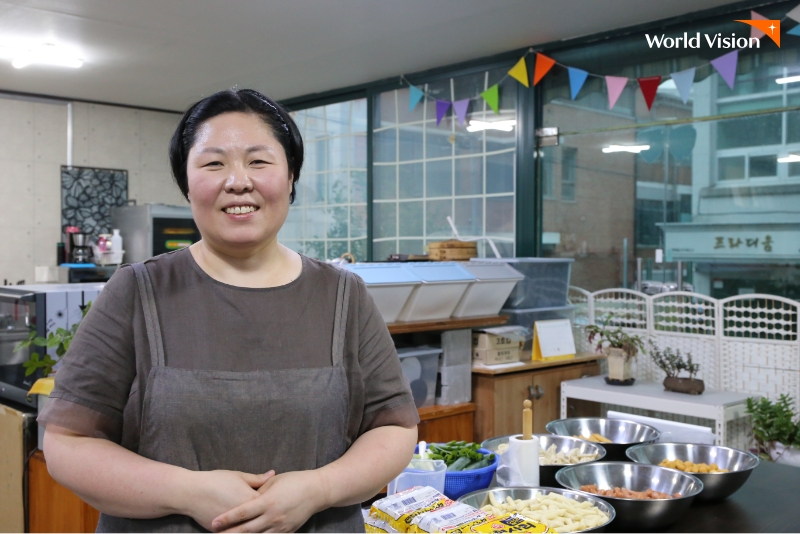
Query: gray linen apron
{"points": [[286, 420]]}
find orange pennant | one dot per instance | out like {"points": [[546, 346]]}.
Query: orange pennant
{"points": [[543, 66], [771, 28]]}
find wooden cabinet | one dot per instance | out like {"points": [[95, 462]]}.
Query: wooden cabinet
{"points": [[52, 507], [440, 424], [498, 395]]}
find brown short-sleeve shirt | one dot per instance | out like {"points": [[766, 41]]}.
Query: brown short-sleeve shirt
{"points": [[209, 325]]}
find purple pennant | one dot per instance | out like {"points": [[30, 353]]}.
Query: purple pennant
{"points": [[441, 110], [726, 66], [460, 107]]}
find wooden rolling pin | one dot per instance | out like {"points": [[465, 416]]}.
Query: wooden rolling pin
{"points": [[527, 420]]}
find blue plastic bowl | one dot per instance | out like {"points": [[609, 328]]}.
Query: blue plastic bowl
{"points": [[458, 483]]}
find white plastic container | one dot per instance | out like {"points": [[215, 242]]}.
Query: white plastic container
{"points": [[486, 295], [390, 285], [443, 285], [420, 366], [546, 282]]}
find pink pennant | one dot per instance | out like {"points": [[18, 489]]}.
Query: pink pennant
{"points": [[755, 32], [460, 107], [441, 110], [615, 85]]}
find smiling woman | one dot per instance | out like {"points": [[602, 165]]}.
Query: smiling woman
{"points": [[233, 385]]}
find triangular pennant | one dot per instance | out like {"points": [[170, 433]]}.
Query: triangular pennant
{"points": [[726, 66], [755, 32], [615, 85], [794, 14], [683, 82], [414, 96], [543, 66], [520, 72], [795, 31], [772, 28], [577, 78], [492, 97], [441, 110], [460, 107], [649, 86]]}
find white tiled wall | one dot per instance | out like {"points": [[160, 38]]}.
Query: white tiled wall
{"points": [[33, 146]]}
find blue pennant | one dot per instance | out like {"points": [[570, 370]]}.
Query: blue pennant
{"points": [[414, 96], [577, 78], [795, 31]]}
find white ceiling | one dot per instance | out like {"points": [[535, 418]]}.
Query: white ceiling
{"points": [[168, 53]]}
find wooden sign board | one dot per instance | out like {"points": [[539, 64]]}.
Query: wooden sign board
{"points": [[552, 340]]}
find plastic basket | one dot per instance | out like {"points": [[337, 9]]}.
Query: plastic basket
{"points": [[458, 483]]}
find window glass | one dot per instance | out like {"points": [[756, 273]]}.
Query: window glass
{"points": [[329, 216], [428, 172]]}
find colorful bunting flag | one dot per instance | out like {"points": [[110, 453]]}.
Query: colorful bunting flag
{"points": [[770, 28], [794, 14], [441, 110], [615, 85], [492, 97], [754, 31], [649, 86], [683, 82], [795, 31], [543, 66], [577, 77], [726, 66], [460, 107], [520, 72], [414, 96]]}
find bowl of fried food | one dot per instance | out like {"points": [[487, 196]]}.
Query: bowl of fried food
{"points": [[560, 510], [722, 470], [646, 497], [614, 435], [555, 452]]}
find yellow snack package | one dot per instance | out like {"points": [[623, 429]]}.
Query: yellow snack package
{"points": [[456, 518], [511, 523], [400, 510]]}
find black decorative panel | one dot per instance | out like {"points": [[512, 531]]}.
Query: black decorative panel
{"points": [[87, 195]]}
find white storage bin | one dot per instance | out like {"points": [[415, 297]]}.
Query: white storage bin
{"points": [[390, 284], [486, 295], [443, 285], [420, 366], [546, 282]]}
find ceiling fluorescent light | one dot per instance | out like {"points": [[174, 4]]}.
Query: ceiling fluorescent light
{"points": [[47, 54], [791, 158], [789, 79], [633, 149], [504, 126]]}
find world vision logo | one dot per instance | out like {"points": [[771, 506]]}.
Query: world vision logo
{"points": [[770, 28]]}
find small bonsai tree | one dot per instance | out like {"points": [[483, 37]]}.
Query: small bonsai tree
{"points": [[59, 340], [614, 338], [672, 362]]}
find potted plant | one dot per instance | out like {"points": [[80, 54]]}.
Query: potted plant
{"points": [[775, 429], [672, 363], [619, 347]]}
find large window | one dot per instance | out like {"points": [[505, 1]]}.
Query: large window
{"points": [[329, 216], [424, 172]]}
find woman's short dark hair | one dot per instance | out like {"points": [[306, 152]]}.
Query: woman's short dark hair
{"points": [[235, 100]]}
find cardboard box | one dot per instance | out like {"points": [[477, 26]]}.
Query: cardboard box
{"points": [[495, 356], [502, 337]]}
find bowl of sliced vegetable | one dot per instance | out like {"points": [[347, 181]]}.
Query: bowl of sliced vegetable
{"points": [[469, 467]]}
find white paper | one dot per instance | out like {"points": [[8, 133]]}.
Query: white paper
{"points": [[518, 466], [555, 337]]}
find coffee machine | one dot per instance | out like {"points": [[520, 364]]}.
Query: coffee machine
{"points": [[80, 251]]}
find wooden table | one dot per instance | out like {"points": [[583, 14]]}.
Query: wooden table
{"points": [[768, 502]]}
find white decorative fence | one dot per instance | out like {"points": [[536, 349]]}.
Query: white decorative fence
{"points": [[746, 343]]}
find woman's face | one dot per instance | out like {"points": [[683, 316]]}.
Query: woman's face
{"points": [[239, 181]]}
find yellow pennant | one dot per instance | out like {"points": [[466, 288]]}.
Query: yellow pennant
{"points": [[520, 72]]}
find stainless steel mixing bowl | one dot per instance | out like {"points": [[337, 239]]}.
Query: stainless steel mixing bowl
{"points": [[716, 486], [547, 473], [479, 498], [636, 514], [621, 432]]}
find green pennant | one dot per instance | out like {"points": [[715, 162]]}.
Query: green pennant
{"points": [[492, 97]]}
